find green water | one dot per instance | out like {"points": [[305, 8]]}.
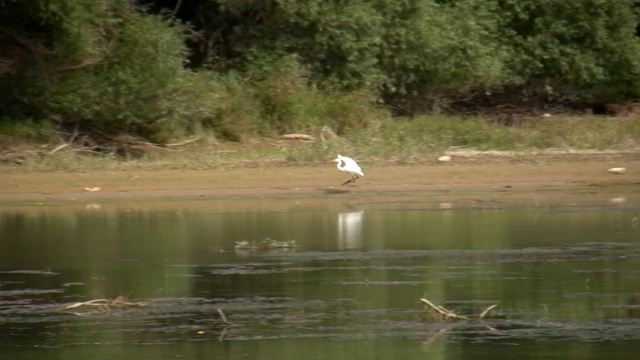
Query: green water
{"points": [[564, 270]]}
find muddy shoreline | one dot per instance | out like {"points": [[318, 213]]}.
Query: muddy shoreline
{"points": [[319, 180]]}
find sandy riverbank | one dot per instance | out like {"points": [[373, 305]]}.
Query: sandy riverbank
{"points": [[555, 173]]}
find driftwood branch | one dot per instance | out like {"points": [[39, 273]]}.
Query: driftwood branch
{"points": [[486, 311], [189, 141], [298, 137], [222, 316], [439, 312], [67, 144], [265, 244], [101, 306], [77, 141], [58, 148]]}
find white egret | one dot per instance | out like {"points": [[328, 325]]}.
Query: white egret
{"points": [[347, 164], [617, 170]]}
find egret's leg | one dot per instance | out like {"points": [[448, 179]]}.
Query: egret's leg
{"points": [[353, 179]]}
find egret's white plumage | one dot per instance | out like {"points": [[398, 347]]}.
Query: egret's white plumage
{"points": [[347, 164], [617, 170]]}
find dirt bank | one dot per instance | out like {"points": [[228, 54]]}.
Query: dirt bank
{"points": [[553, 173]]}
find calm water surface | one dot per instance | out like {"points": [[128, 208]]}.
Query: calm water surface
{"points": [[563, 268]]}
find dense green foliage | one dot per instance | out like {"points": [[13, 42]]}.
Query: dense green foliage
{"points": [[164, 69], [433, 46], [584, 46], [386, 45], [109, 69]]}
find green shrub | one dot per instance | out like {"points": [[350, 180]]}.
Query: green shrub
{"points": [[124, 74], [29, 131], [289, 102], [435, 48], [586, 47], [140, 88]]}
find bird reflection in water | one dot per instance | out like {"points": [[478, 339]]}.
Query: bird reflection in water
{"points": [[350, 230]]}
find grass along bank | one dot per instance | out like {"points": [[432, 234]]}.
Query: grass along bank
{"points": [[387, 141]]}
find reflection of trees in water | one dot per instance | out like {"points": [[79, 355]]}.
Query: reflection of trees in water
{"points": [[633, 310], [350, 229]]}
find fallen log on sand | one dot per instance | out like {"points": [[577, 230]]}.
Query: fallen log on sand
{"points": [[298, 137]]}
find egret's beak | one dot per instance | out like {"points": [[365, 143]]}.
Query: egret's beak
{"points": [[335, 160]]}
